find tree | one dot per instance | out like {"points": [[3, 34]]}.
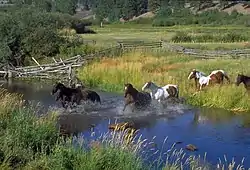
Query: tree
{"points": [[66, 6]]}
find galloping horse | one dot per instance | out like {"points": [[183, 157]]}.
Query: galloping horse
{"points": [[199, 77], [161, 93], [71, 95], [133, 96], [243, 79], [217, 76], [88, 94]]}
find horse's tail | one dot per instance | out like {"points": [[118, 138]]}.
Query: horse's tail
{"points": [[226, 76], [177, 92], [98, 99]]}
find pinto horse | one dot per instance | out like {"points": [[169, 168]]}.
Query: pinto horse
{"points": [[133, 96], [243, 79], [161, 93], [217, 76], [199, 77]]}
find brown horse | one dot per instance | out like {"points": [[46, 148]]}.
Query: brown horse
{"points": [[138, 99], [243, 79], [217, 76]]}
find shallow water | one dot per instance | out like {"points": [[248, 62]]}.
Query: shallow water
{"points": [[215, 131]]}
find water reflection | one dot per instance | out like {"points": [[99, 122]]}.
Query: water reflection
{"points": [[213, 116]]}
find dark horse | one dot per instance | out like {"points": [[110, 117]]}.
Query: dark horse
{"points": [[133, 96], [243, 79], [88, 94], [67, 94]]}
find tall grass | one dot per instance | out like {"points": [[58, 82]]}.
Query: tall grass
{"points": [[228, 37], [168, 68]]}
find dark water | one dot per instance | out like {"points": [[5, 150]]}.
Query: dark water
{"points": [[215, 131]]}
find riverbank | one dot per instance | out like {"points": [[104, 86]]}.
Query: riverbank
{"points": [[163, 67]]}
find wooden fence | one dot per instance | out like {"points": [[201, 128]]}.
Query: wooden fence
{"points": [[58, 69], [207, 54], [63, 68], [139, 44]]}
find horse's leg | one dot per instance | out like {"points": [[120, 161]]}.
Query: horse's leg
{"points": [[125, 106], [201, 85]]}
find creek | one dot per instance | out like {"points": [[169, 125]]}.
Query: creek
{"points": [[215, 131]]}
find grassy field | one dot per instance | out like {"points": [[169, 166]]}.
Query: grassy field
{"points": [[163, 68], [110, 34]]}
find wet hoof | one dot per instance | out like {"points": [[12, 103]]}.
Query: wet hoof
{"points": [[191, 147], [122, 126]]}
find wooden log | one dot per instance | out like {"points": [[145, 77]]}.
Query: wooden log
{"points": [[62, 61], [54, 59], [37, 62], [46, 65]]}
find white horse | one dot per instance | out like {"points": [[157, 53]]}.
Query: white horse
{"points": [[161, 93], [200, 76]]}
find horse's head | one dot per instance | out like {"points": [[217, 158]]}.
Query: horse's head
{"points": [[129, 89], [56, 87], [147, 85], [192, 74], [239, 79], [128, 86]]}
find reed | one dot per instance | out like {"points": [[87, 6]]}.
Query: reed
{"points": [[163, 67]]}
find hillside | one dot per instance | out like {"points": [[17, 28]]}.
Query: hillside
{"points": [[229, 7], [240, 7]]}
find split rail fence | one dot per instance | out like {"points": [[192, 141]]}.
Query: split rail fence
{"points": [[63, 68]]}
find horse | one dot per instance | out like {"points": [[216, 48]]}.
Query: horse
{"points": [[161, 93], [217, 76], [71, 95], [88, 94], [195, 74], [133, 96], [243, 79]]}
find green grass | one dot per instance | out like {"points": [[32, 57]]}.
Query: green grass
{"points": [[163, 68], [110, 34]]}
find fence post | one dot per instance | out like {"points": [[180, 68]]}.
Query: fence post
{"points": [[70, 74]]}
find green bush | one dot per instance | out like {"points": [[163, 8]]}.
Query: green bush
{"points": [[30, 31]]}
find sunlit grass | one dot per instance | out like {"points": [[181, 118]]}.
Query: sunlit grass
{"points": [[168, 68]]}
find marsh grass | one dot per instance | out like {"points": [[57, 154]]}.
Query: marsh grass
{"points": [[163, 68]]}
